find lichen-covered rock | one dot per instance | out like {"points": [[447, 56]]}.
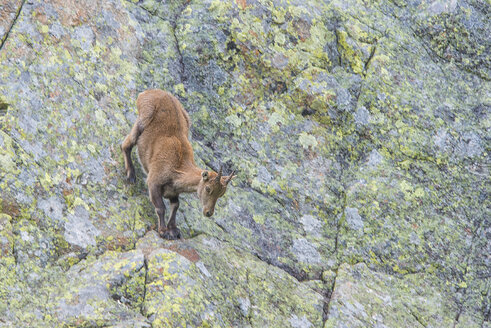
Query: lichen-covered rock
{"points": [[104, 291], [204, 281], [6, 235], [363, 298], [359, 131]]}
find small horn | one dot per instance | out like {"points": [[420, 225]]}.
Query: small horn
{"points": [[227, 180], [219, 176]]}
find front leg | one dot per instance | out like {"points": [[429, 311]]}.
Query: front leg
{"points": [[172, 232], [155, 191]]}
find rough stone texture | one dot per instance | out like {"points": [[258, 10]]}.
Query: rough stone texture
{"points": [[364, 298], [97, 291], [206, 282], [359, 131]]}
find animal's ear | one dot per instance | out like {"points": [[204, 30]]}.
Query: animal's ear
{"points": [[205, 176]]}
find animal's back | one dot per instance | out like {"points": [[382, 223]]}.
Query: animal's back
{"points": [[164, 140]]}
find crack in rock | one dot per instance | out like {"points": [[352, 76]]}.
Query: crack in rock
{"points": [[4, 39]]}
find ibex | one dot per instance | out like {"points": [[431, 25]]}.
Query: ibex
{"points": [[161, 135]]}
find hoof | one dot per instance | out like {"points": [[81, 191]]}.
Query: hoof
{"points": [[171, 234], [131, 178]]}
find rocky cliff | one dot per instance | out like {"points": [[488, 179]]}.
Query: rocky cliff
{"points": [[359, 129]]}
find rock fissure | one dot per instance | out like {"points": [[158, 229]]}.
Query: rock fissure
{"points": [[172, 19], [299, 276], [339, 224], [460, 303], [459, 312], [367, 63], [429, 53], [142, 306], [187, 222], [415, 316], [251, 298], [221, 226], [384, 33], [330, 290], [336, 36], [470, 253], [175, 25], [276, 198], [4, 40], [328, 297], [182, 69], [487, 309], [432, 54]]}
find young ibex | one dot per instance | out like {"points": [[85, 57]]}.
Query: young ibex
{"points": [[161, 134]]}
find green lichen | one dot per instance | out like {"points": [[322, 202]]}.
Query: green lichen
{"points": [[349, 54], [377, 107]]}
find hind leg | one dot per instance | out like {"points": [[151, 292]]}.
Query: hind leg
{"points": [[128, 143], [155, 193]]}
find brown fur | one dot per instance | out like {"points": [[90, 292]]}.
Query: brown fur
{"points": [[161, 134]]}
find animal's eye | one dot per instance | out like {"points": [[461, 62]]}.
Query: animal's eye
{"points": [[208, 189]]}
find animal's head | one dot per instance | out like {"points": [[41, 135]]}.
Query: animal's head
{"points": [[211, 187]]}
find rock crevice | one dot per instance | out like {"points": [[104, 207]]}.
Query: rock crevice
{"points": [[10, 26]]}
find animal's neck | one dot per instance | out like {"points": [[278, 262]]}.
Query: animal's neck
{"points": [[189, 180]]}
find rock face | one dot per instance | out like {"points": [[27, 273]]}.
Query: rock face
{"points": [[359, 131]]}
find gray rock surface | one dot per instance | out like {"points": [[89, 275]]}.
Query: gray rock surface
{"points": [[359, 131]]}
